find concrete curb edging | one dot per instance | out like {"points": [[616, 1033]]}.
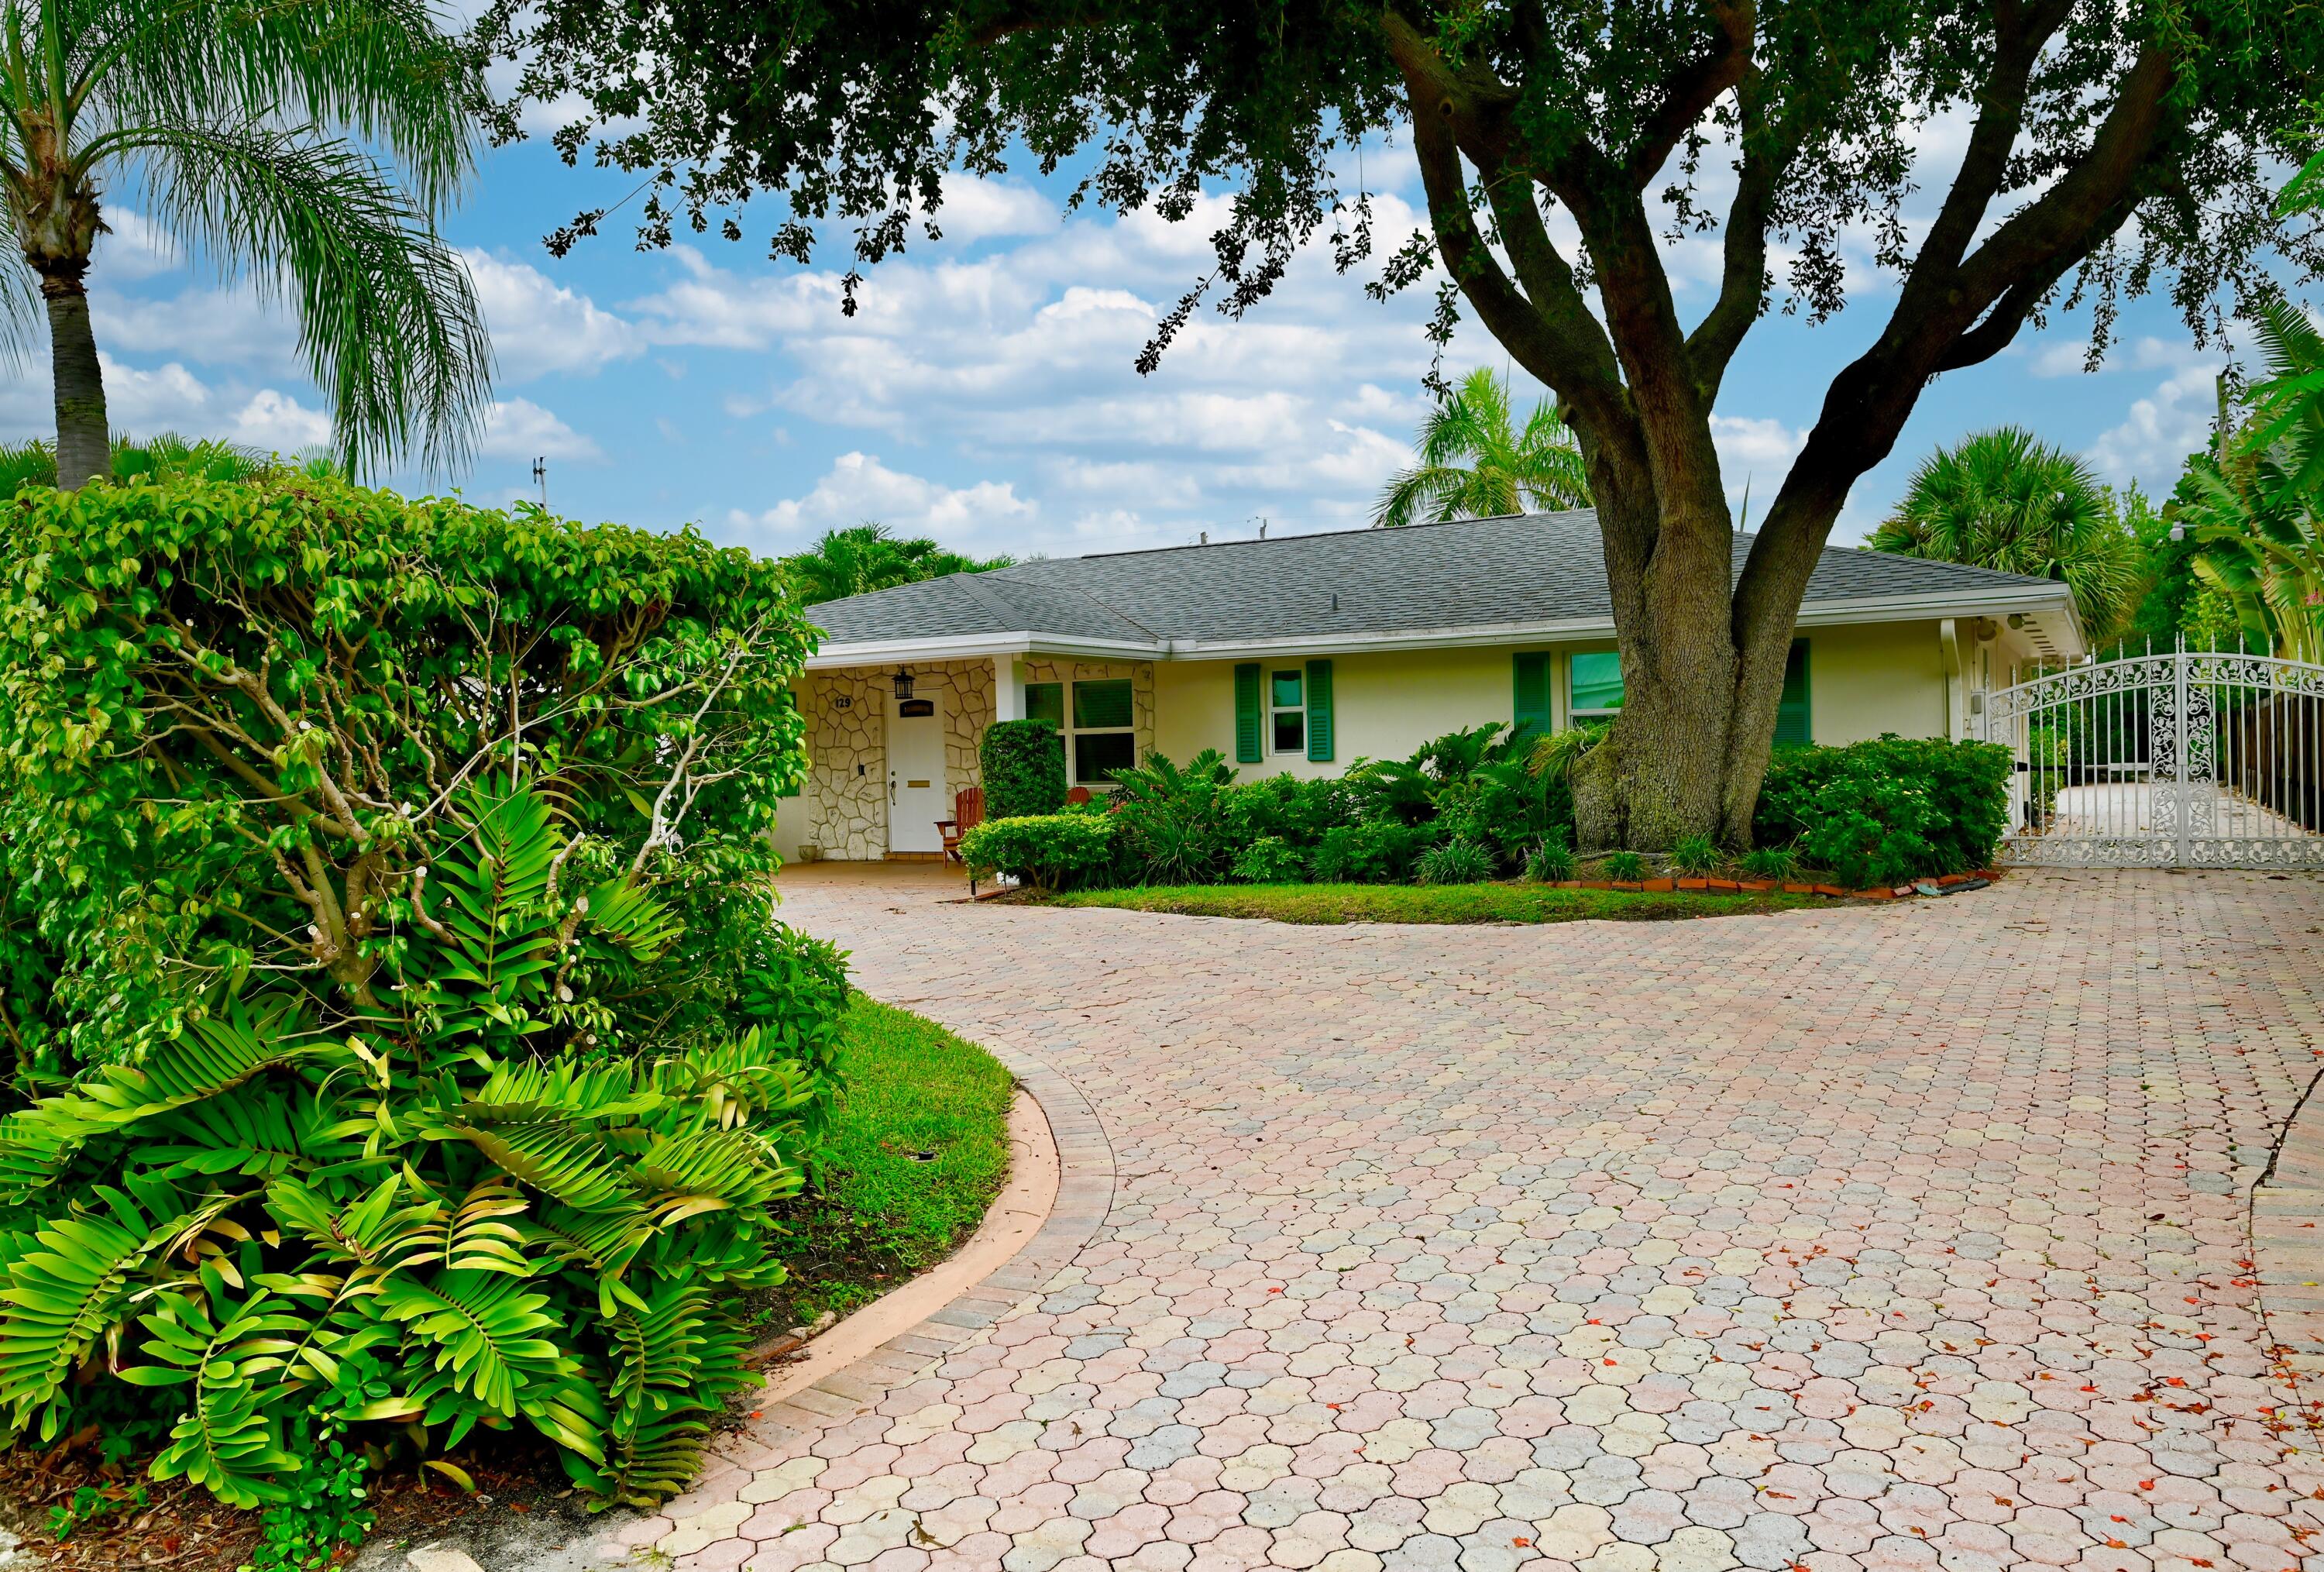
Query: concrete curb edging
{"points": [[1085, 1180]]}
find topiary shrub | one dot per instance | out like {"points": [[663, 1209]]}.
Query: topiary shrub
{"points": [[1056, 851], [416, 1052], [1888, 809], [1024, 763], [1270, 860]]}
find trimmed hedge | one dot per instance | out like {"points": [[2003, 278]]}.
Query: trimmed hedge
{"points": [[1024, 769], [1050, 851]]}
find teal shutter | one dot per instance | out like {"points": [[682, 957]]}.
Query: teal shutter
{"points": [[1533, 694], [1319, 711], [1792, 713], [1248, 750]]}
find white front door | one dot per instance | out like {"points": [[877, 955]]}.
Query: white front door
{"points": [[916, 774]]}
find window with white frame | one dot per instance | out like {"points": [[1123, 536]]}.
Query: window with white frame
{"points": [[1287, 702], [1099, 720]]}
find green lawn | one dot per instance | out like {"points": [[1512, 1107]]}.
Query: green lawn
{"points": [[919, 1148], [1432, 903]]}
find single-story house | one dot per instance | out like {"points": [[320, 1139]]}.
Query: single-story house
{"points": [[1305, 652]]}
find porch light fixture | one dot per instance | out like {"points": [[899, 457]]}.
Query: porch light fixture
{"points": [[903, 682]]}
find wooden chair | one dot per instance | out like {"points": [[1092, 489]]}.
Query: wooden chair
{"points": [[967, 813]]}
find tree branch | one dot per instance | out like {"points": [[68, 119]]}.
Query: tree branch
{"points": [[1694, 91]]}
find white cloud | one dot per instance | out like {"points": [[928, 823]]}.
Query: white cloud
{"points": [[214, 326], [539, 325], [981, 209], [274, 422], [2162, 428], [1753, 452], [134, 247], [521, 428], [169, 398], [986, 517]]}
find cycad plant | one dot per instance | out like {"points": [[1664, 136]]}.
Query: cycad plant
{"points": [[437, 1222], [229, 123], [1476, 463], [2005, 500]]}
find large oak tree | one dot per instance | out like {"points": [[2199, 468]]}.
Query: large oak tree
{"points": [[2071, 148]]}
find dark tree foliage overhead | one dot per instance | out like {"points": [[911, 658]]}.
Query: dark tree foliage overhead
{"points": [[1790, 131]]}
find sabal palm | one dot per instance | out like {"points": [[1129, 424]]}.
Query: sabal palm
{"points": [[2003, 499], [868, 556], [1475, 462], [229, 119]]}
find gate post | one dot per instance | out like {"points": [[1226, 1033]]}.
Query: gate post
{"points": [[2185, 815]]}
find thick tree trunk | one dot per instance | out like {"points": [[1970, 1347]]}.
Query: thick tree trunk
{"points": [[84, 438], [1702, 672]]}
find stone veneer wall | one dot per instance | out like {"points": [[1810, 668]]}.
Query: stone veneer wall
{"points": [[1141, 688], [846, 795]]}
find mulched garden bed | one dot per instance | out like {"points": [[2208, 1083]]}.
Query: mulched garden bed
{"points": [[184, 1529]]}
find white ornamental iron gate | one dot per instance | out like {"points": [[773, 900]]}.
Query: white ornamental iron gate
{"points": [[2180, 758]]}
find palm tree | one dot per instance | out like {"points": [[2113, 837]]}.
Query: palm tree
{"points": [[1475, 464], [2002, 499], [868, 556], [224, 116], [2251, 502]]}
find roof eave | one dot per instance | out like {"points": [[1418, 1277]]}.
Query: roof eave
{"points": [[980, 646]]}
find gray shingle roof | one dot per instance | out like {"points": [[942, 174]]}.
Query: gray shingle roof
{"points": [[1474, 573]]}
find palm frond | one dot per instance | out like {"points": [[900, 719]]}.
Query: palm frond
{"points": [[388, 319]]}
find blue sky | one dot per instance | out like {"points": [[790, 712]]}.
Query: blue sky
{"points": [[985, 391]]}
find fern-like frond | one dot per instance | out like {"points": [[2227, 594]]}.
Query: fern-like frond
{"points": [[567, 1161], [67, 1285], [236, 1357], [483, 1327], [710, 1169], [209, 1057]]}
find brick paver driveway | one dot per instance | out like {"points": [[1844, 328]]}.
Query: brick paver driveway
{"points": [[1893, 1236]]}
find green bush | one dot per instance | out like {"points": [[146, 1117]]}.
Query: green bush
{"points": [[1173, 822], [1287, 807], [1769, 863], [1624, 867], [1888, 809], [1270, 860], [1024, 763], [1055, 851], [1550, 862], [1694, 855], [1376, 851], [1456, 861], [409, 1045]]}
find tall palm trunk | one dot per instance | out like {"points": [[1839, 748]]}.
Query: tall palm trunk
{"points": [[84, 439], [57, 224]]}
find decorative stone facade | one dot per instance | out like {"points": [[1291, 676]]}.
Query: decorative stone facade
{"points": [[846, 798]]}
